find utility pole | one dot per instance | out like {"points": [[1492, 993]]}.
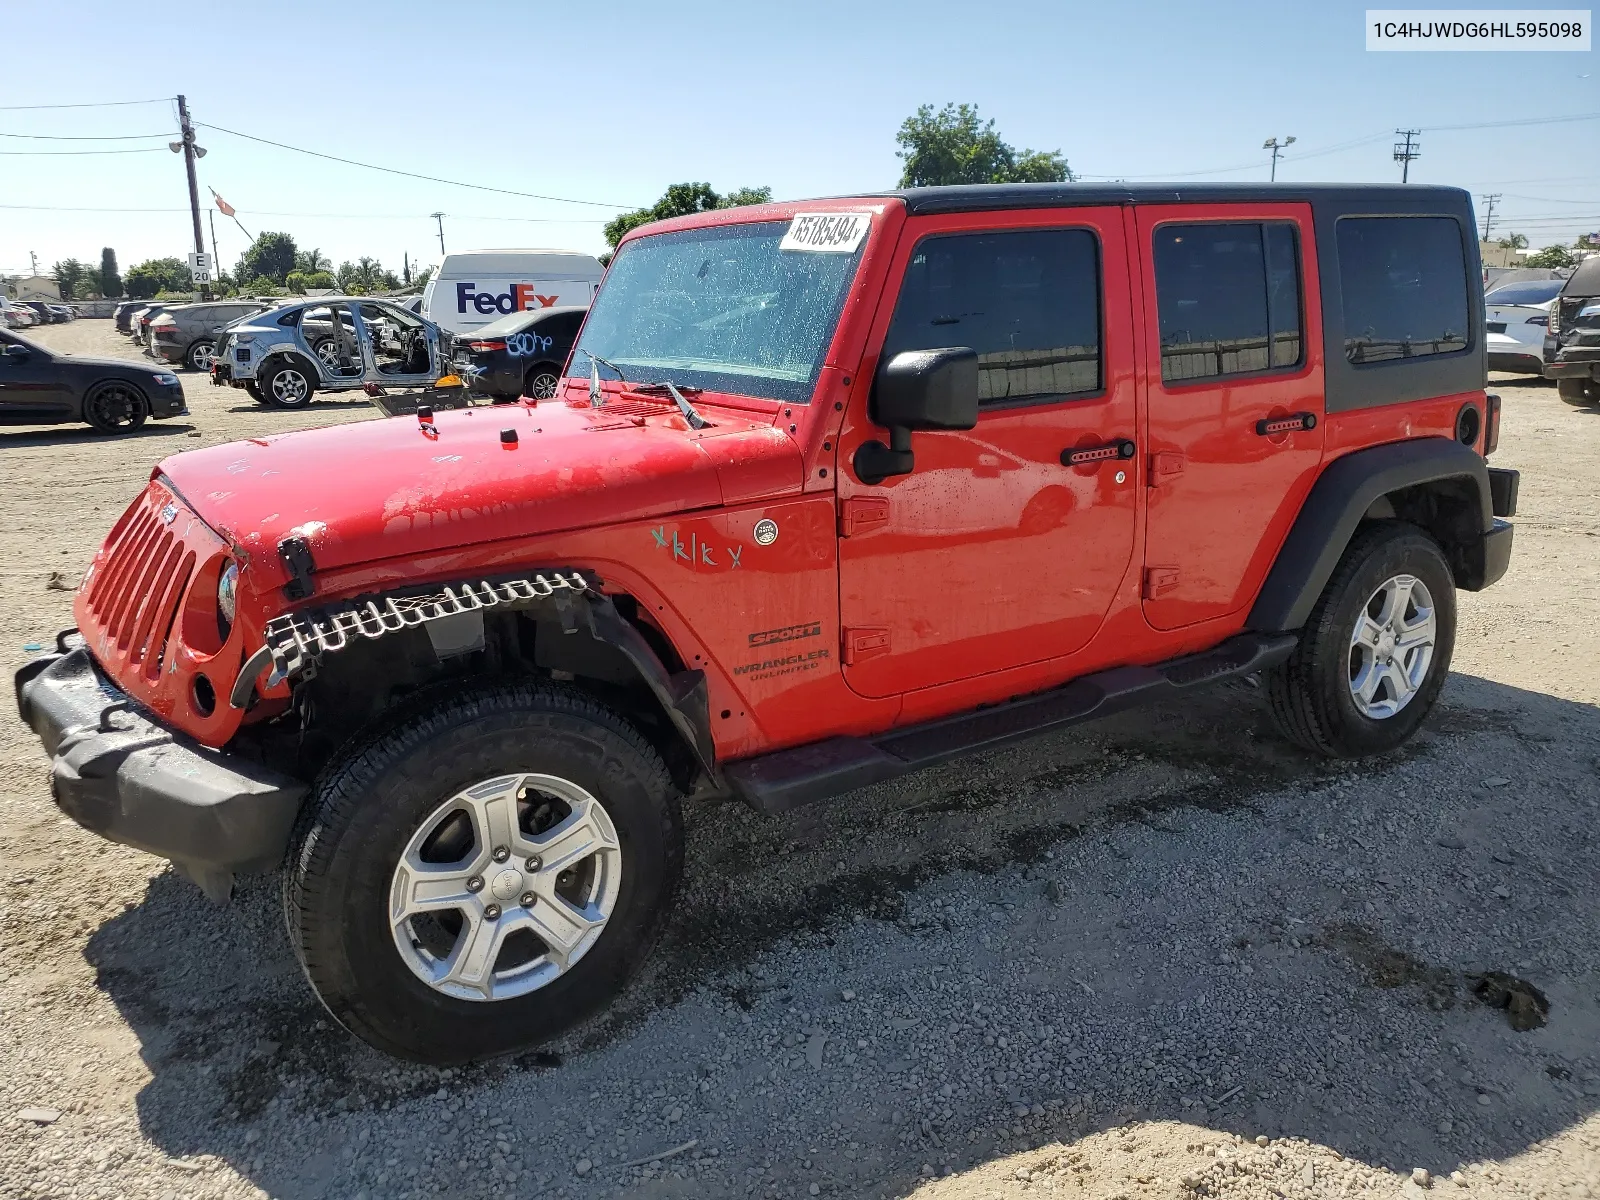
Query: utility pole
{"points": [[33, 259], [187, 132], [1488, 213], [1277, 149], [1406, 152], [439, 217]]}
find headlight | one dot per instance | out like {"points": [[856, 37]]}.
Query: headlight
{"points": [[166, 380], [227, 599]]}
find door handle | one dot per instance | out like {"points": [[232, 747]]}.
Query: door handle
{"points": [[1088, 456], [1293, 423]]}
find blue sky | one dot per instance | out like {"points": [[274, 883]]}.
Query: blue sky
{"points": [[612, 102]]}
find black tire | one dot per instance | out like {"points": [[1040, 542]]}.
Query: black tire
{"points": [[199, 355], [541, 380], [253, 390], [371, 800], [288, 383], [115, 407], [1311, 694], [1578, 391]]}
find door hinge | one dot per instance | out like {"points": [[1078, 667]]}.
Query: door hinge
{"points": [[864, 642], [1164, 465], [861, 513], [1159, 580]]}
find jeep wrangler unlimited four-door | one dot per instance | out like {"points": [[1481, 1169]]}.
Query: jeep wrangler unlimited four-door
{"points": [[828, 492]]}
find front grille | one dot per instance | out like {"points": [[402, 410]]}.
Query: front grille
{"points": [[138, 587]]}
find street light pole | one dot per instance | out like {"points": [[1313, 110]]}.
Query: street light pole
{"points": [[1277, 148], [439, 217]]}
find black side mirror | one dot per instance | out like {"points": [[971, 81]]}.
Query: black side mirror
{"points": [[918, 390], [15, 351]]}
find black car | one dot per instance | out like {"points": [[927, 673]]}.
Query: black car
{"points": [[122, 315], [46, 387], [519, 355], [48, 314], [1572, 337]]}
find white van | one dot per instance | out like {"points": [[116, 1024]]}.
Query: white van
{"points": [[474, 287]]}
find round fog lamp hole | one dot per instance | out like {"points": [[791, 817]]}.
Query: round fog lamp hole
{"points": [[205, 696]]}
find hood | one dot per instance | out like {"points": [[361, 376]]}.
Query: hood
{"points": [[383, 489]]}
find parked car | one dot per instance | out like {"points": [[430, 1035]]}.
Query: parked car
{"points": [[1517, 314], [473, 287], [1572, 338], [48, 314], [459, 676], [122, 315], [285, 355], [51, 387], [69, 312], [519, 355], [17, 316], [143, 317], [187, 333]]}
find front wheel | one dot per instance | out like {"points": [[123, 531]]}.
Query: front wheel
{"points": [[201, 354], [115, 407], [485, 873], [1375, 653]]}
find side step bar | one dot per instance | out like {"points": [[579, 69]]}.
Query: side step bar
{"points": [[775, 783]]}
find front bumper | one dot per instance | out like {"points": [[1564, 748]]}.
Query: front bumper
{"points": [[168, 402], [119, 773]]}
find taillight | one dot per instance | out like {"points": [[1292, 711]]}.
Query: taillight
{"points": [[165, 324], [486, 346], [1491, 429], [1540, 320], [1553, 321]]}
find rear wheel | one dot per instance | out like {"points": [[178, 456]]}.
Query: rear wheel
{"points": [[485, 873], [1375, 653], [115, 407], [541, 380], [201, 354], [287, 385], [1578, 391]]}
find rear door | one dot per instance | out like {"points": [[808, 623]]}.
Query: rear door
{"points": [[997, 550], [1235, 399]]}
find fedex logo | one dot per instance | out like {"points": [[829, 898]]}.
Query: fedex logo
{"points": [[520, 297]]}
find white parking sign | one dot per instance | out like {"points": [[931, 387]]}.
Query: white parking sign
{"points": [[200, 267]]}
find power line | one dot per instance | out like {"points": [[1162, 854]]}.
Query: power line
{"points": [[50, 153], [110, 137], [267, 212], [411, 174], [1594, 116], [96, 104]]}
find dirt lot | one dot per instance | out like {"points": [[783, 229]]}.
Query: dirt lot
{"points": [[1164, 956]]}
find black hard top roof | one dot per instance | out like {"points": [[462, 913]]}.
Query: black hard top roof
{"points": [[1585, 280], [1377, 197]]}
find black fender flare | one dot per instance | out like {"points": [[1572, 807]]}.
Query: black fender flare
{"points": [[1344, 492]]}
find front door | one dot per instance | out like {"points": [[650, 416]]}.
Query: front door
{"points": [[999, 548], [396, 344], [1234, 399], [33, 387]]}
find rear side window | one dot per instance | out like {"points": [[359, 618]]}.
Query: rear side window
{"points": [[1027, 301], [1404, 281], [1228, 299]]}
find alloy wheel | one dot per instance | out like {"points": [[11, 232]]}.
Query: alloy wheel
{"points": [[543, 386], [289, 386], [201, 355], [505, 886], [114, 406], [1391, 647]]}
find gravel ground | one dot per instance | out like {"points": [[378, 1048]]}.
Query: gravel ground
{"points": [[1163, 956]]}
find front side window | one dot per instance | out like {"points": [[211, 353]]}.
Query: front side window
{"points": [[1228, 299], [723, 309], [1404, 282], [1027, 301]]}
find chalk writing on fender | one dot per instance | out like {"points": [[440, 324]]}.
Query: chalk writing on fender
{"points": [[697, 552]]}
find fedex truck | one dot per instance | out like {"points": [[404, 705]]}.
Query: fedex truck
{"points": [[474, 287]]}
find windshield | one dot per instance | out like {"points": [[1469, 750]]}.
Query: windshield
{"points": [[720, 309], [1526, 293]]}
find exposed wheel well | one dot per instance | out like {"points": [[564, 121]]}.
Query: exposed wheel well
{"points": [[1449, 510], [363, 686]]}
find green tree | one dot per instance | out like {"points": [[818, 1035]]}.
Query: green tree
{"points": [[1514, 241], [71, 278], [110, 282], [953, 146], [271, 256], [261, 285], [156, 275], [1551, 256], [680, 200], [310, 261]]}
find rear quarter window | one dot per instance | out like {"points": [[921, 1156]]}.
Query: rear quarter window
{"points": [[1404, 284]]}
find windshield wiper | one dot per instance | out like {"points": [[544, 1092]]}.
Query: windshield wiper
{"points": [[696, 421], [596, 395]]}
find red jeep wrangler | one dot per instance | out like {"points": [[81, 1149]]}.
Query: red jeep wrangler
{"points": [[829, 492]]}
